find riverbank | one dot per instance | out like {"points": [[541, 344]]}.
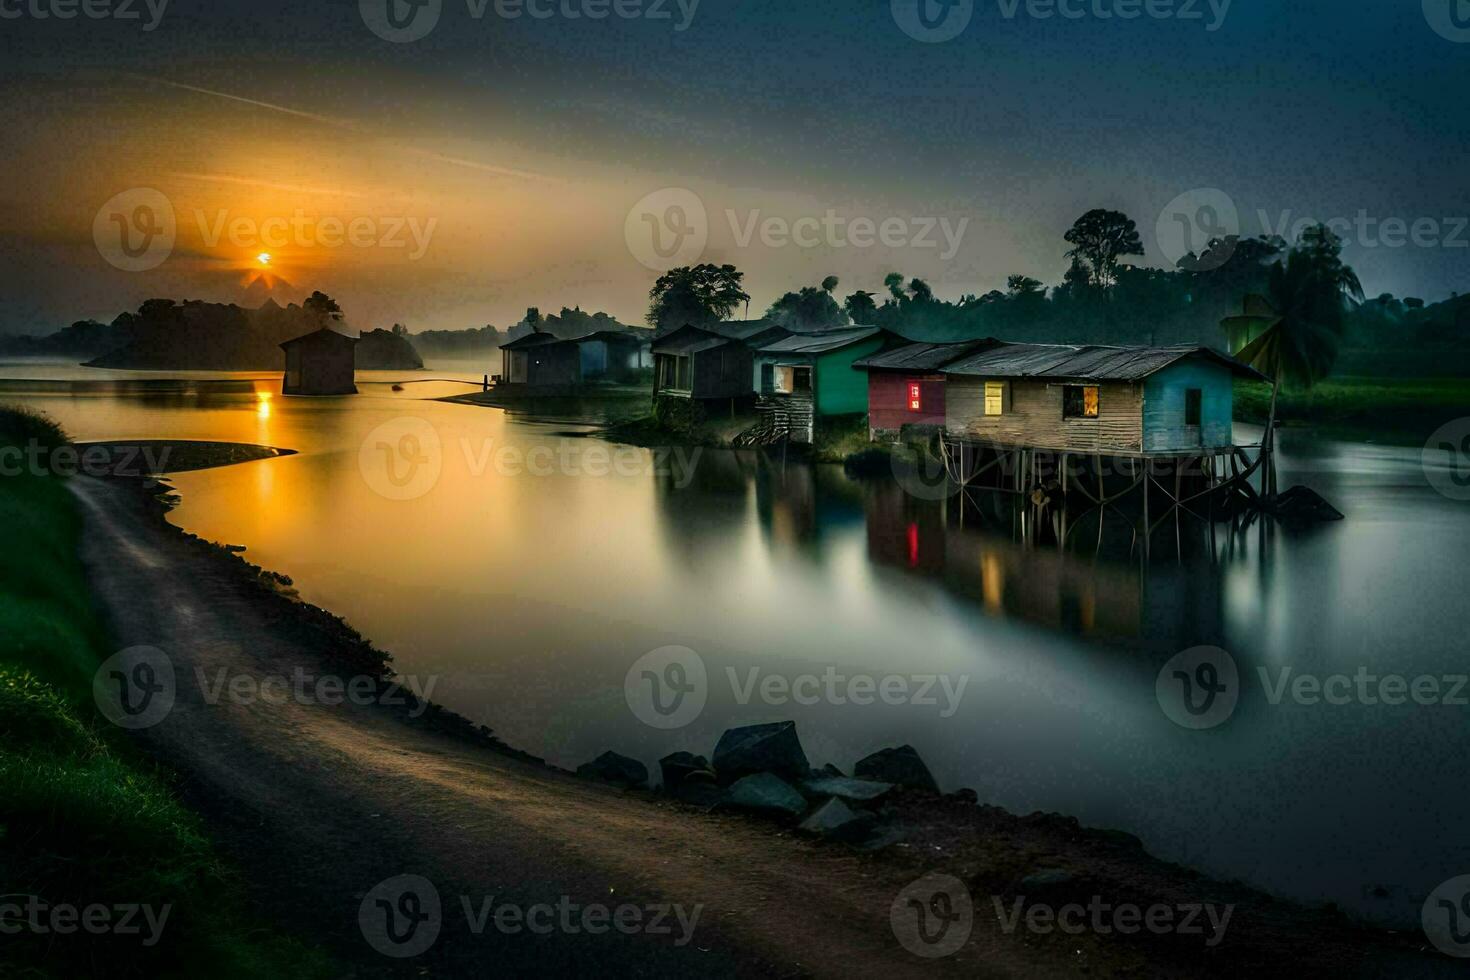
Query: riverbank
{"points": [[86, 821], [362, 792]]}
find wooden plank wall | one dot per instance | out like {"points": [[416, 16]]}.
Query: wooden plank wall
{"points": [[1034, 416]]}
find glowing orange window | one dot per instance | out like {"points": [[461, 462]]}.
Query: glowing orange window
{"points": [[916, 403]]}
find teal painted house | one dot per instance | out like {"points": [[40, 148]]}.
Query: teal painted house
{"points": [[807, 377]]}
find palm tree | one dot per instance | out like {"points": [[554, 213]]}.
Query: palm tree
{"points": [[1292, 333]]}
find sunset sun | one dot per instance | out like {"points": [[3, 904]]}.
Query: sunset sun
{"points": [[264, 258]]}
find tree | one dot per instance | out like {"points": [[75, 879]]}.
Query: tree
{"points": [[1022, 286], [1293, 333], [699, 294], [1100, 238], [860, 307], [830, 283], [810, 309], [323, 307], [893, 282]]}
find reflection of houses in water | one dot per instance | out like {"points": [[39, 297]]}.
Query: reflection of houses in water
{"points": [[1104, 595], [799, 502]]}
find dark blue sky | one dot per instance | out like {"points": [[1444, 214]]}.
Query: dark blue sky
{"points": [[1308, 108]]}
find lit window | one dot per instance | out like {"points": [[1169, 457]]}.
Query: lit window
{"points": [[916, 403], [995, 398], [1079, 401]]}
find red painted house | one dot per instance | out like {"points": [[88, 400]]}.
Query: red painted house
{"points": [[906, 390]]}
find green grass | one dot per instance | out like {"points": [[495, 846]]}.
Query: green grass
{"points": [[84, 818], [1387, 406]]}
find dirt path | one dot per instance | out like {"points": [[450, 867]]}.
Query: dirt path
{"points": [[319, 804]]}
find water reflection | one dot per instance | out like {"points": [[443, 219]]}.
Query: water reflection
{"points": [[530, 596]]}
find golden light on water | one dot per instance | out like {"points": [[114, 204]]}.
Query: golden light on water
{"points": [[262, 404]]}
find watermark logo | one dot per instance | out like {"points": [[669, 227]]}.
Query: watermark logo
{"points": [[921, 474], [1446, 917], [933, 917], [1449, 18], [90, 9], [1199, 688], [307, 230], [1105, 918], [1446, 460], [30, 913], [667, 229], [135, 688], [401, 21], [1192, 221], [402, 459], [837, 231], [135, 231], [401, 917], [667, 688], [933, 21]]}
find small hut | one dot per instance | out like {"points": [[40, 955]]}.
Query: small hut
{"points": [[539, 360], [710, 363], [320, 363], [803, 378], [906, 389], [1095, 399]]}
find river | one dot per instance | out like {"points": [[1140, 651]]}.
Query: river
{"points": [[524, 569]]}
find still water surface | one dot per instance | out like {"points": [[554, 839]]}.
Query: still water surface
{"points": [[527, 587]]}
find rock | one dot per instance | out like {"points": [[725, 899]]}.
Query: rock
{"points": [[761, 748], [901, 765], [828, 770], [768, 793], [859, 790], [964, 796], [837, 821], [679, 766], [613, 768], [706, 795], [1303, 505]]}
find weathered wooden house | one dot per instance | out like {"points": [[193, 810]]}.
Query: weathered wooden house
{"points": [[610, 356], [906, 388], [537, 359], [1094, 400], [709, 363], [320, 363], [803, 378]]}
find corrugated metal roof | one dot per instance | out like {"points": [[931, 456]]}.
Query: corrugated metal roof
{"points": [[1090, 363], [921, 357], [689, 340], [820, 343]]}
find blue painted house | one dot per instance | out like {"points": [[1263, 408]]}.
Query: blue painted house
{"points": [[1136, 401]]}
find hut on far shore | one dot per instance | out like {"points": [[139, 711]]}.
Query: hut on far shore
{"points": [[320, 363]]}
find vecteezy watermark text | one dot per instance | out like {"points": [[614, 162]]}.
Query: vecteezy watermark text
{"points": [[36, 459], [405, 21], [86, 9], [1105, 918], [403, 916], [301, 686], [403, 459], [30, 913], [936, 21], [668, 688]]}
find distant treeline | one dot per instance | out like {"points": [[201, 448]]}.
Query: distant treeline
{"points": [[1100, 300], [481, 342], [166, 334]]}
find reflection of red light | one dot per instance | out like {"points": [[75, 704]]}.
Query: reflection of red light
{"points": [[914, 400], [913, 546]]}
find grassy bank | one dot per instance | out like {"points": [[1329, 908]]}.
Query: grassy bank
{"points": [[86, 823], [1410, 408]]}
